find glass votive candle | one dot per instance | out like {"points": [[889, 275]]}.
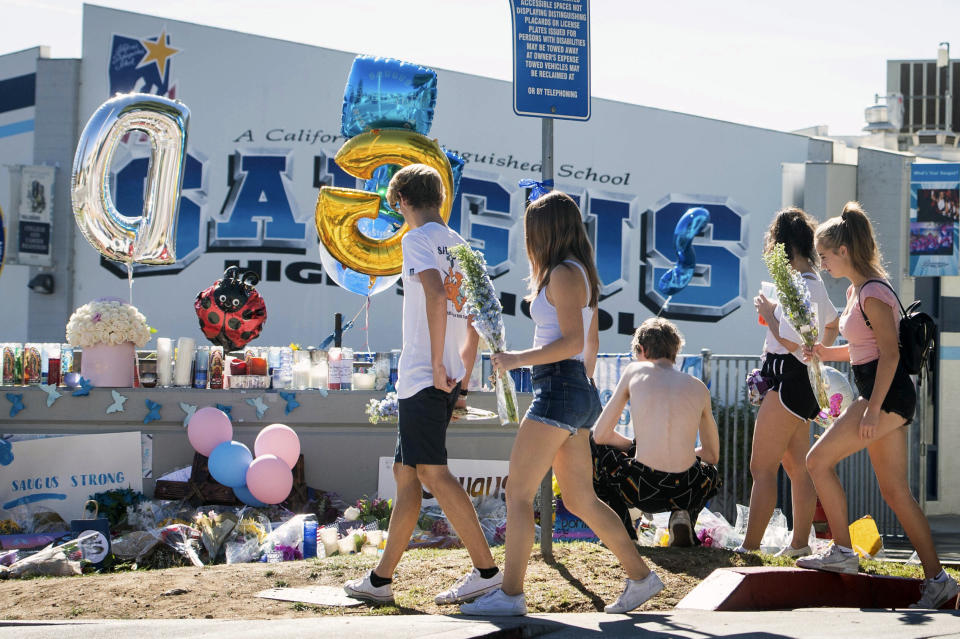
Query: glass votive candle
{"points": [[183, 368], [364, 381], [164, 361]]}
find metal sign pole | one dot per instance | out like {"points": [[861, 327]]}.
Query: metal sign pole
{"points": [[546, 488]]}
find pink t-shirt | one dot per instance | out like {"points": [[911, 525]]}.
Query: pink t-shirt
{"points": [[863, 343]]}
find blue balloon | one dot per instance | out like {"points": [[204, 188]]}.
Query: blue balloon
{"points": [[456, 164], [383, 93], [228, 463], [688, 227], [244, 495]]}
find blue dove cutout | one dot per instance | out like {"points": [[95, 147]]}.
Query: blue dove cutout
{"points": [[153, 413], [84, 390], [292, 403], [117, 405], [259, 405], [52, 393], [189, 410], [16, 401], [226, 409]]}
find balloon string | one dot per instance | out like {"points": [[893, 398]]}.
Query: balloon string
{"points": [[366, 324], [130, 281], [666, 303]]}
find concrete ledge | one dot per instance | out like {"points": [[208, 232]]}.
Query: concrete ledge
{"points": [[764, 588]]}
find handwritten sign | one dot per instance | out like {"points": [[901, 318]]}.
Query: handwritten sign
{"points": [[60, 473]]}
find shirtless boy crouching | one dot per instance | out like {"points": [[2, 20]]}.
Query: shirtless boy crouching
{"points": [[669, 408]]}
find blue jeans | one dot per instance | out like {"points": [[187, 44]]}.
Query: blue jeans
{"points": [[563, 396]]}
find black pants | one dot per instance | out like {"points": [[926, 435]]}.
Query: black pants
{"points": [[622, 483]]}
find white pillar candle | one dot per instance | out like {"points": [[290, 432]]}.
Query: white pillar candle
{"points": [[319, 375], [364, 381], [347, 545], [164, 361], [183, 369], [374, 537], [328, 535]]}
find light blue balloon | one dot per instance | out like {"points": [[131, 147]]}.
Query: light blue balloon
{"points": [[244, 495], [383, 93], [688, 227], [228, 463]]}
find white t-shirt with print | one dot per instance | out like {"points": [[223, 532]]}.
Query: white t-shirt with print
{"points": [[425, 248], [826, 313]]}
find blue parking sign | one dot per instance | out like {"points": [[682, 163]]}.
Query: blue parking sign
{"points": [[551, 58]]}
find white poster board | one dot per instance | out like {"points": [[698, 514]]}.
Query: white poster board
{"points": [[60, 473], [477, 476]]}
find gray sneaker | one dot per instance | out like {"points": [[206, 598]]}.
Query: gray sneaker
{"points": [[833, 560], [681, 530], [364, 590], [790, 551], [496, 603], [637, 593], [936, 593], [469, 587]]}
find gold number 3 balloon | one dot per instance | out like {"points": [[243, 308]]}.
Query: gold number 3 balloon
{"points": [[148, 238], [339, 210]]}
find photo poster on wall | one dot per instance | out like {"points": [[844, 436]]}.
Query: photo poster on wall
{"points": [[934, 213]]}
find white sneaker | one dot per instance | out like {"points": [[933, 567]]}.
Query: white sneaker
{"points": [[740, 550], [681, 530], [790, 551], [363, 589], [497, 604], [936, 593], [469, 587], [833, 560], [637, 592]]}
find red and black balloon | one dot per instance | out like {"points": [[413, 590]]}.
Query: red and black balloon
{"points": [[231, 312]]}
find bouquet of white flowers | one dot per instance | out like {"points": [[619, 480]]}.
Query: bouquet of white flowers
{"points": [[384, 410], [800, 312], [107, 322], [484, 305]]}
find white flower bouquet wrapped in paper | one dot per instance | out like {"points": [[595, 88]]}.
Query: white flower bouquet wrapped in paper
{"points": [[107, 322], [484, 305]]}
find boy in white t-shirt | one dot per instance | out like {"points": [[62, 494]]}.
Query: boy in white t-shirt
{"points": [[439, 348]]}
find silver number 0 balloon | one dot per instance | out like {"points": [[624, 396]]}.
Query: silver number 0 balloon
{"points": [[148, 238]]}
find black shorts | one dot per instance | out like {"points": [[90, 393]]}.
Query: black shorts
{"points": [[902, 396], [789, 378], [422, 426]]}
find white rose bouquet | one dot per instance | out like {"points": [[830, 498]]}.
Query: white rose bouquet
{"points": [[107, 322]]}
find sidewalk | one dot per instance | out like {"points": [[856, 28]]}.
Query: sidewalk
{"points": [[823, 622], [946, 537]]}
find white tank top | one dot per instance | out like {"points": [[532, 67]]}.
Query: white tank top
{"points": [[544, 315]]}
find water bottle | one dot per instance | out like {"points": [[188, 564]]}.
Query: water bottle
{"points": [[309, 536]]}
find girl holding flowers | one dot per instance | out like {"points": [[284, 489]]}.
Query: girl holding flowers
{"points": [[875, 420], [782, 431], [564, 291]]}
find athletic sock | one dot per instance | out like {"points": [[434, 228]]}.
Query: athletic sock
{"points": [[487, 573], [377, 581]]}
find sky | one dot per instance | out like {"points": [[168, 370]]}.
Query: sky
{"points": [[776, 65]]}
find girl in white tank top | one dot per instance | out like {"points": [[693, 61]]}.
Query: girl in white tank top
{"points": [[556, 429]]}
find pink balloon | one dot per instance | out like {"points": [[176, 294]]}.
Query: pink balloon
{"points": [[208, 428], [269, 479], [279, 440]]}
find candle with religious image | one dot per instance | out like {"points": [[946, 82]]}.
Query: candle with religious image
{"points": [[215, 367]]}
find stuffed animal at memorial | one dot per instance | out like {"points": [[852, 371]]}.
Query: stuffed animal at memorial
{"points": [[231, 312]]}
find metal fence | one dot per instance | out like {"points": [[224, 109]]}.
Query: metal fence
{"points": [[725, 375]]}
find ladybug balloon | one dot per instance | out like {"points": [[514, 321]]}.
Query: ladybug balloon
{"points": [[231, 312]]}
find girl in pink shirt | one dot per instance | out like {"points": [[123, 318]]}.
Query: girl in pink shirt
{"points": [[874, 420]]}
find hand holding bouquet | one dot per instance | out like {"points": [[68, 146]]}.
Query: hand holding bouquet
{"points": [[484, 305]]}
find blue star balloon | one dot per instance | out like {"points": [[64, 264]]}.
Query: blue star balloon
{"points": [[383, 93], [153, 411], [688, 227], [16, 401]]}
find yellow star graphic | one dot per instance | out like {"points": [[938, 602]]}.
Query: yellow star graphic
{"points": [[158, 52]]}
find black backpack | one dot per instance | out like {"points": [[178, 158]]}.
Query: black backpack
{"points": [[917, 332]]}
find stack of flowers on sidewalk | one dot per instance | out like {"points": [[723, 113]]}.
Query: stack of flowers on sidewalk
{"points": [[800, 313], [484, 305]]}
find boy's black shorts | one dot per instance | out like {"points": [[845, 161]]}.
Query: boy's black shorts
{"points": [[422, 426]]}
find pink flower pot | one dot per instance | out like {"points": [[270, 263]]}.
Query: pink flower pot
{"points": [[107, 365]]}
